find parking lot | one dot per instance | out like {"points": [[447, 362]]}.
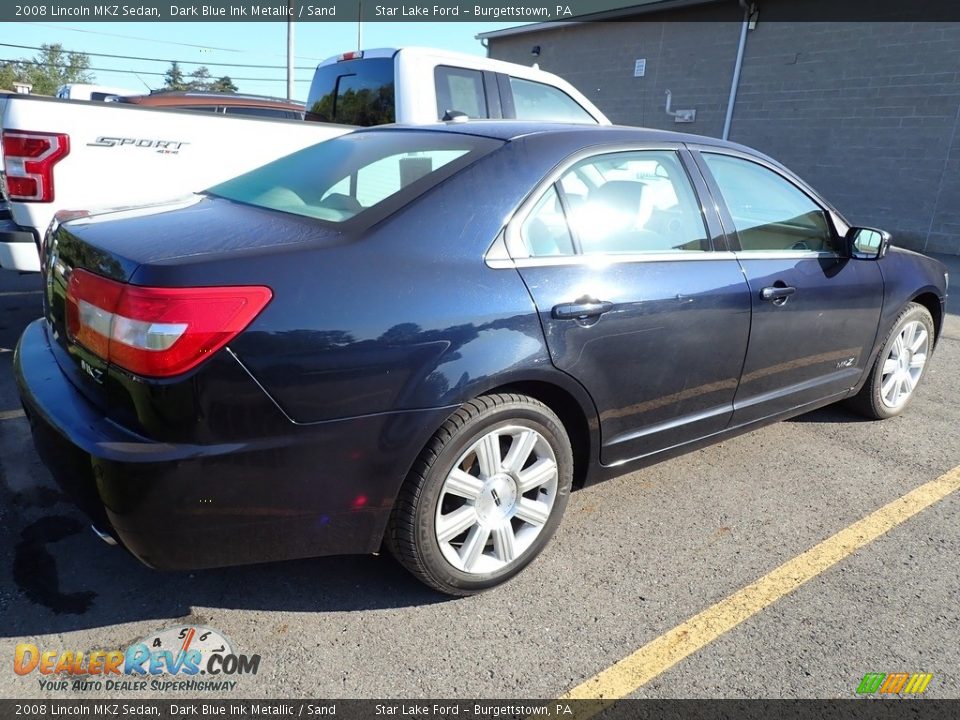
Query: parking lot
{"points": [[634, 558]]}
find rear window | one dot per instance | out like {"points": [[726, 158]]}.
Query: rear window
{"points": [[342, 178], [353, 92]]}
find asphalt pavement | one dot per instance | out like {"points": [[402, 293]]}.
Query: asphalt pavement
{"points": [[634, 558]]}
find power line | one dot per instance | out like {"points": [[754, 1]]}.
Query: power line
{"points": [[163, 60], [46, 26], [130, 37], [137, 72]]}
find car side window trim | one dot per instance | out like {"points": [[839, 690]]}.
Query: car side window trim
{"points": [[498, 258], [565, 206], [838, 225], [492, 89], [510, 244], [506, 97], [708, 204]]}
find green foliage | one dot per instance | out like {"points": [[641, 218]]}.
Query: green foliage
{"points": [[200, 79], [224, 84], [48, 70], [173, 79], [8, 75], [53, 67]]}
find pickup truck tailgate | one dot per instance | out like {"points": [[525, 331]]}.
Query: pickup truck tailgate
{"points": [[124, 155]]}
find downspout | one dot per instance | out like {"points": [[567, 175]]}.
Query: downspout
{"points": [[735, 84]]}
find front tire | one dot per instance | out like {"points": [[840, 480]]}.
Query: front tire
{"points": [[899, 366], [485, 496]]}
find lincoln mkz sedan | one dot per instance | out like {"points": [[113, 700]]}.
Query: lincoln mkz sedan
{"points": [[422, 338]]}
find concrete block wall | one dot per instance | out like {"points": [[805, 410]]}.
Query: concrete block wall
{"points": [[867, 112]]}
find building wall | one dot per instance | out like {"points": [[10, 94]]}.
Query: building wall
{"points": [[868, 113]]}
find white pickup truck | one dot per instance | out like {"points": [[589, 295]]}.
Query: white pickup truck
{"points": [[75, 155]]}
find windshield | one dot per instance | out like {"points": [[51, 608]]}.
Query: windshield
{"points": [[342, 178]]}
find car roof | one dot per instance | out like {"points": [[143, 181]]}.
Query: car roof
{"points": [[589, 134]]}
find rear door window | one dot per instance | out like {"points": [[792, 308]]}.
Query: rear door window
{"points": [[619, 203], [537, 101], [353, 92], [545, 231]]}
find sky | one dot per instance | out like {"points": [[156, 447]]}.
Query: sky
{"points": [[208, 43]]}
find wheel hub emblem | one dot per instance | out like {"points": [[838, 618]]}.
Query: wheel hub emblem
{"points": [[497, 499]]}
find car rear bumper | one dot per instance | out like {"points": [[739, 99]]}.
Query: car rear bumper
{"points": [[323, 489]]}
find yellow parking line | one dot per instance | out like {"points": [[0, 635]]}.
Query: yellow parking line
{"points": [[11, 414], [626, 676]]}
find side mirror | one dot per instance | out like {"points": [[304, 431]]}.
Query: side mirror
{"points": [[867, 243]]}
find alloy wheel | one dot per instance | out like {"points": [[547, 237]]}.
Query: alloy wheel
{"points": [[497, 499], [904, 364]]}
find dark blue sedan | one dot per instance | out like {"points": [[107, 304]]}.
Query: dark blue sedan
{"points": [[424, 337]]}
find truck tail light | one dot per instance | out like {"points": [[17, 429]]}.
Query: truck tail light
{"points": [[28, 160], [153, 331]]}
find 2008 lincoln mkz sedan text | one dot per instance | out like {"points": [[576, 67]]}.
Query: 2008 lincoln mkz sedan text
{"points": [[422, 338]]}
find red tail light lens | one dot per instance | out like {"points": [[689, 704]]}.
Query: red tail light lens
{"points": [[28, 160], [157, 332]]}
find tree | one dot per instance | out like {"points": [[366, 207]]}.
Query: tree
{"points": [[8, 75], [224, 84], [200, 79], [54, 67], [173, 79]]}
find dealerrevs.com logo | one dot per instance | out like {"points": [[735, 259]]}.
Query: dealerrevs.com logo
{"points": [[900, 683], [191, 658]]}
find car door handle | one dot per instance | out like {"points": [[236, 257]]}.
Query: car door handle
{"points": [[581, 310], [773, 294]]}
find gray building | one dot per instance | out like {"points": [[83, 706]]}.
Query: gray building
{"points": [[867, 112]]}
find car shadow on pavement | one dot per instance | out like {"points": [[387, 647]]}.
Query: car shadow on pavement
{"points": [[65, 579]]}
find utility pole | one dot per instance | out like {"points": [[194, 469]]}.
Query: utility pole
{"points": [[359, 24], [290, 89]]}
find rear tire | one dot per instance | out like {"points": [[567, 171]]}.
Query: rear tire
{"points": [[485, 496], [899, 367]]}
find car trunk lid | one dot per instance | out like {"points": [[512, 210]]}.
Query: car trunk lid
{"points": [[96, 261]]}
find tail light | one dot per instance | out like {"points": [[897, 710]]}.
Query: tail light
{"points": [[28, 159], [157, 332]]}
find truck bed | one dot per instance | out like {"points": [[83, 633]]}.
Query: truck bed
{"points": [[124, 155]]}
